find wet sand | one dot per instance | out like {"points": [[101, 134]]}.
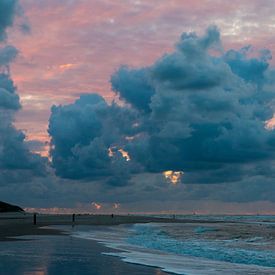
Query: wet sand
{"points": [[34, 249], [57, 255]]}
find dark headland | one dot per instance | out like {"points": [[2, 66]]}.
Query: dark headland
{"points": [[6, 207]]}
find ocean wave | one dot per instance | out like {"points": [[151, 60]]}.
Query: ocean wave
{"points": [[153, 237], [153, 245]]}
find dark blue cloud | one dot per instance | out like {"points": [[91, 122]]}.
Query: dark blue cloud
{"points": [[17, 163], [205, 114], [9, 100], [193, 111], [7, 55], [189, 66], [86, 138], [7, 14], [133, 86], [249, 69]]}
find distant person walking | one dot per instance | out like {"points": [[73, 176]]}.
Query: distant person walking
{"points": [[73, 218], [34, 218]]}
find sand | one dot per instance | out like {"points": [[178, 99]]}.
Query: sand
{"points": [[63, 254], [34, 249], [52, 251]]}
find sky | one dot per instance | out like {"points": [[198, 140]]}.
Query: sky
{"points": [[120, 106]]}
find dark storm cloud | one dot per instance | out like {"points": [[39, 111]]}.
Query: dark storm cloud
{"points": [[249, 69], [134, 87], [9, 100], [86, 138], [207, 119], [7, 14], [8, 97], [17, 163], [198, 109]]}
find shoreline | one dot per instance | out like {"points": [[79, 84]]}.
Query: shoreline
{"points": [[18, 230], [14, 225], [51, 236]]}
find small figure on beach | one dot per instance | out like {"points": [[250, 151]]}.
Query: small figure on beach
{"points": [[73, 218], [112, 215]]}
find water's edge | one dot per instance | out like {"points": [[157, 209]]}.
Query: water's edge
{"points": [[120, 238]]}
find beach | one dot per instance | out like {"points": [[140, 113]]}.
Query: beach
{"points": [[129, 244], [19, 224], [41, 249]]}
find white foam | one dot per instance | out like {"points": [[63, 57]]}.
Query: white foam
{"points": [[188, 265], [115, 237]]}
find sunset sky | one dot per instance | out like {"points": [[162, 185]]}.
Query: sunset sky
{"points": [[75, 46], [191, 126]]}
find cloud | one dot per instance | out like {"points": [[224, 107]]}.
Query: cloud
{"points": [[82, 135], [208, 112], [7, 54], [17, 163], [9, 100], [249, 69], [145, 192], [7, 14], [141, 32], [199, 110], [133, 86]]}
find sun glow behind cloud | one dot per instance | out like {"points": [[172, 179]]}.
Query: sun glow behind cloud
{"points": [[97, 206], [173, 176], [66, 66], [110, 152], [124, 154], [116, 205], [270, 124]]}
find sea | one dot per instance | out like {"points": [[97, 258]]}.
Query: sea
{"points": [[199, 245]]}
